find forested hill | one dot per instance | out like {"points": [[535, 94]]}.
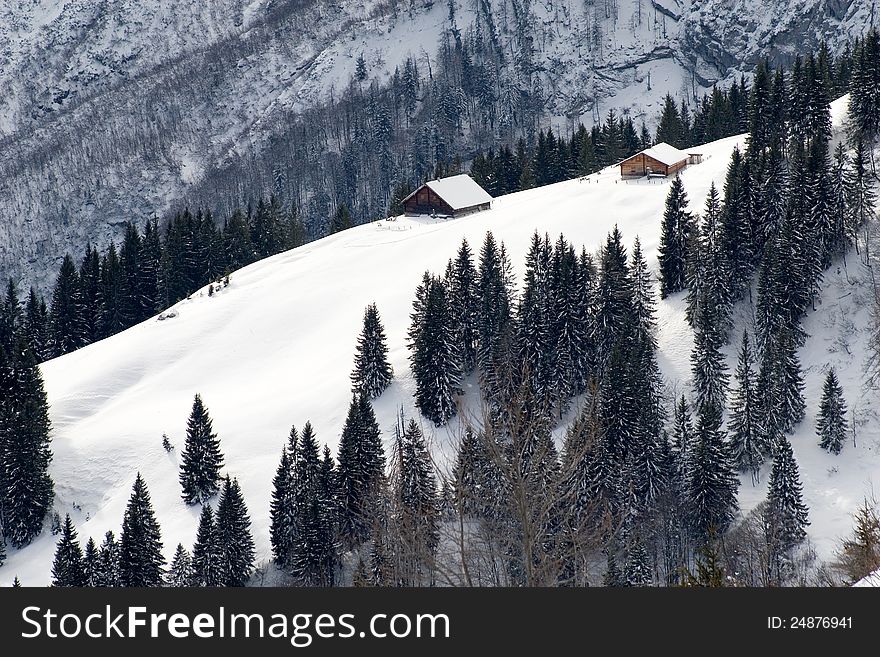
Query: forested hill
{"points": [[117, 112]]}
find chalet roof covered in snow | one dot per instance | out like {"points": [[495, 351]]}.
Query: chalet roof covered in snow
{"points": [[459, 191], [666, 154]]}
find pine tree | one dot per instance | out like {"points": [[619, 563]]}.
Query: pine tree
{"points": [[418, 513], [67, 569], [35, 326], [180, 573], [27, 489], [234, 535], [707, 363], [677, 233], [745, 423], [638, 567], [788, 513], [789, 379], [613, 301], [535, 340], [434, 356], [372, 372], [464, 305], [108, 573], [149, 284], [201, 458], [864, 102], [140, 546], [282, 526], [862, 198], [831, 424], [66, 331], [207, 555], [90, 563], [613, 576], [711, 482], [494, 320], [10, 318], [709, 272], [361, 472], [671, 128]]}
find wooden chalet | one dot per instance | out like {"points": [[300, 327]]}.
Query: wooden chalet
{"points": [[454, 196], [660, 159]]}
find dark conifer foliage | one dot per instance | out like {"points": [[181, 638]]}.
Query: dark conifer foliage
{"points": [[435, 354], [180, 573], [66, 322], [91, 564], [746, 430], [711, 481], [787, 511], [831, 423], [864, 103], [361, 472], [208, 552], [108, 570], [201, 459], [494, 319], [26, 489], [234, 535], [676, 237], [35, 326], [68, 568], [140, 546], [417, 512], [313, 549], [372, 372], [282, 527], [464, 306]]}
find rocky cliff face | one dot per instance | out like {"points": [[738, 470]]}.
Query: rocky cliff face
{"points": [[113, 111]]}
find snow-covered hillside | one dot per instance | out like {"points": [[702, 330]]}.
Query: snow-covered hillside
{"points": [[113, 111], [275, 348]]}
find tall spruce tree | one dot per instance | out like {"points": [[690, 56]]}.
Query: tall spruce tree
{"points": [[372, 372], [707, 363], [464, 305], [108, 569], [207, 555], [140, 546], [201, 458], [831, 423], [282, 527], [35, 326], [361, 472], [90, 563], [787, 511], [711, 481], [66, 331], [180, 573], [418, 512], [745, 427], [234, 535], [434, 356], [494, 320], [676, 235], [26, 489], [68, 568]]}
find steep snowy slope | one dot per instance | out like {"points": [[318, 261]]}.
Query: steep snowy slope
{"points": [[275, 348], [112, 111]]}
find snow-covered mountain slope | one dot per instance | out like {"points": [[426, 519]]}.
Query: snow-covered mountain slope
{"points": [[113, 111], [275, 348]]}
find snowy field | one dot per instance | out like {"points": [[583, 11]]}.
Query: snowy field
{"points": [[276, 348]]}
